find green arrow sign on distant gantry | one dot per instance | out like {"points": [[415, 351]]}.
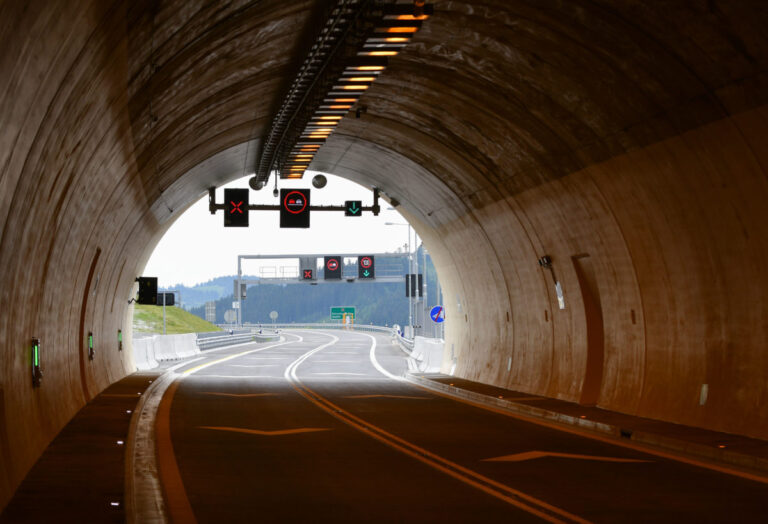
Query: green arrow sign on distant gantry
{"points": [[366, 267], [353, 208]]}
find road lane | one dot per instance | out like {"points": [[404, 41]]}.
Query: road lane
{"points": [[279, 457], [321, 476]]}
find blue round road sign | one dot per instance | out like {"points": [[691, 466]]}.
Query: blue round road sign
{"points": [[437, 314]]}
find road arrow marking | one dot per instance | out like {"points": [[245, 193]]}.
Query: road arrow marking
{"points": [[389, 396], [275, 433], [530, 455], [241, 395]]}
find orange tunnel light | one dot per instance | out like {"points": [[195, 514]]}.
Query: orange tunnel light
{"points": [[367, 68], [410, 17], [409, 29], [378, 53]]}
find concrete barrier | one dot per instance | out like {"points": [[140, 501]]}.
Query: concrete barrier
{"points": [[149, 351], [428, 354]]}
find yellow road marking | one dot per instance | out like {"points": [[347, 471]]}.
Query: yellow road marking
{"points": [[496, 489], [530, 455], [275, 433], [179, 507]]}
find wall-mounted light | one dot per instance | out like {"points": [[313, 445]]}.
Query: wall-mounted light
{"points": [[546, 263], [91, 352], [119, 339], [37, 370]]}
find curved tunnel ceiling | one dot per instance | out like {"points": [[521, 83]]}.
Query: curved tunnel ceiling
{"points": [[626, 140]]}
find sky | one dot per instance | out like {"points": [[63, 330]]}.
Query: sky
{"points": [[197, 247]]}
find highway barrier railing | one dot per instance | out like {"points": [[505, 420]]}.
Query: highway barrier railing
{"points": [[209, 342], [238, 337], [406, 344], [266, 328]]}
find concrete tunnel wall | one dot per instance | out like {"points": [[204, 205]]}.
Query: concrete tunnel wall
{"points": [[624, 140]]}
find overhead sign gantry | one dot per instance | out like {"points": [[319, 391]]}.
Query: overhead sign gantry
{"points": [[294, 207]]}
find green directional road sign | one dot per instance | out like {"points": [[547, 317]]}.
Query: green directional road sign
{"points": [[338, 312], [353, 208]]}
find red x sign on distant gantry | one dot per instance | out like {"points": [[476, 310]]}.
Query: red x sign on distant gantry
{"points": [[235, 207]]}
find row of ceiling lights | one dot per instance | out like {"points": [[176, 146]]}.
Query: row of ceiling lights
{"points": [[390, 34], [355, 45]]}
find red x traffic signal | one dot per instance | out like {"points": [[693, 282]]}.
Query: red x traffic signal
{"points": [[236, 208]]}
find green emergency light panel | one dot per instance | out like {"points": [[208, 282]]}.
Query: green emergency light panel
{"points": [[37, 372], [91, 352]]}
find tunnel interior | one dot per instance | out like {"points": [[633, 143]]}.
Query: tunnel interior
{"points": [[624, 141]]}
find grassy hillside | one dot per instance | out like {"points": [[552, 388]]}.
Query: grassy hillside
{"points": [[149, 319]]}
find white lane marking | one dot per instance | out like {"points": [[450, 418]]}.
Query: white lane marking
{"points": [[341, 373], [290, 371], [282, 339], [237, 376], [379, 367], [225, 359]]}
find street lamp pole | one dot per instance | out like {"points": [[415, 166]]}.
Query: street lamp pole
{"points": [[410, 271]]}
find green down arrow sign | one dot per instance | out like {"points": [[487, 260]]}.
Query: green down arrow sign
{"points": [[353, 208]]}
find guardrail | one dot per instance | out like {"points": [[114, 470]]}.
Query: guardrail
{"points": [[319, 325], [406, 344], [230, 340]]}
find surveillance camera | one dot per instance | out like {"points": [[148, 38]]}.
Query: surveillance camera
{"points": [[275, 193]]}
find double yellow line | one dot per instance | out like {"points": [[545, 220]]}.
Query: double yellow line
{"points": [[496, 489]]}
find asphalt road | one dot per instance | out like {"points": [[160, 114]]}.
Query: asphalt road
{"points": [[318, 429]]}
